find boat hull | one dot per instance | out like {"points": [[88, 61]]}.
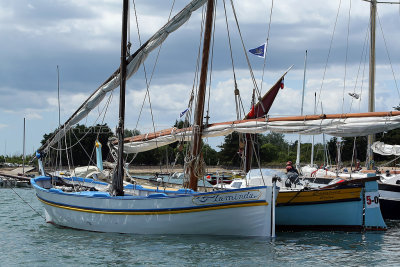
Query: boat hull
{"points": [[390, 200], [354, 208], [231, 212]]}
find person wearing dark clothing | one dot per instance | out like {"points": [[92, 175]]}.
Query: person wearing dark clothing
{"points": [[291, 168], [292, 174]]}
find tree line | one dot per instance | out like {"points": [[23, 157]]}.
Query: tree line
{"points": [[269, 149]]}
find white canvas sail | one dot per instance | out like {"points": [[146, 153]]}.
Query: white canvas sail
{"points": [[340, 125], [134, 63], [385, 149]]}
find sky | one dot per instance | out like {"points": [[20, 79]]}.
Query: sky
{"points": [[82, 38]]}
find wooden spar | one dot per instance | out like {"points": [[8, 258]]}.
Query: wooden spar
{"points": [[198, 120], [117, 183], [144, 137], [316, 117], [371, 91], [150, 136]]}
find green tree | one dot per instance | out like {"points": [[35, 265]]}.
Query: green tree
{"points": [[210, 155], [181, 124], [229, 150], [130, 133], [276, 139], [80, 142], [269, 153]]}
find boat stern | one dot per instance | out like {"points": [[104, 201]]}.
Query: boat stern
{"points": [[372, 215]]}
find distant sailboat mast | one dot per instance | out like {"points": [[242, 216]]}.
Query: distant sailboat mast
{"points": [[372, 68], [59, 114], [371, 91], [23, 154], [301, 112], [312, 146]]}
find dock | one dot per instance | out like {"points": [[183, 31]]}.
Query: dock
{"points": [[14, 177]]}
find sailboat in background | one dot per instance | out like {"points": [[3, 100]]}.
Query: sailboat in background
{"points": [[388, 183], [96, 206]]}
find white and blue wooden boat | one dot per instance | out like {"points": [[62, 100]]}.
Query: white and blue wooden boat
{"points": [[91, 205], [241, 212]]}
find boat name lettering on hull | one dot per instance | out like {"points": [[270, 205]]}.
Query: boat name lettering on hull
{"points": [[227, 197]]}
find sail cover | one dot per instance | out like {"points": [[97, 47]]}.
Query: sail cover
{"points": [[340, 125], [134, 63], [264, 105], [385, 150]]}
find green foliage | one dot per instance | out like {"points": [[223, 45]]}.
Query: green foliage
{"points": [[268, 152], [277, 139], [229, 150], [130, 133], [271, 148], [181, 124], [82, 140], [391, 137], [210, 155], [15, 159], [360, 150]]}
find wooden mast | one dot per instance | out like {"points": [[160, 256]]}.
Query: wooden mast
{"points": [[198, 122], [117, 183], [371, 91]]}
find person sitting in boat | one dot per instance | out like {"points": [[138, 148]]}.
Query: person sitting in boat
{"points": [[358, 165], [292, 176], [292, 168]]}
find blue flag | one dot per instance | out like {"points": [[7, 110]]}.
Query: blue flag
{"points": [[259, 51], [183, 113]]}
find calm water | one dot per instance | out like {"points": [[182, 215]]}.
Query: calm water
{"points": [[25, 239]]}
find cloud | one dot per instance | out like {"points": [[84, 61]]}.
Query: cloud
{"points": [[83, 39]]}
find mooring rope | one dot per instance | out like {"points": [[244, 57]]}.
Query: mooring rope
{"points": [[27, 203]]}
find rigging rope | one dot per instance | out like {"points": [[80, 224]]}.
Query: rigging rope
{"points": [[244, 50], [347, 52], [145, 72], [358, 72], [84, 136], [329, 53], [230, 46], [26, 202], [266, 44], [156, 61], [387, 52]]}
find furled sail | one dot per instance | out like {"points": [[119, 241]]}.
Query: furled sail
{"points": [[134, 62], [264, 105], [340, 125], [385, 149]]}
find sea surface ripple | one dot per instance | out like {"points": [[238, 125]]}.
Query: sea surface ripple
{"points": [[25, 239]]}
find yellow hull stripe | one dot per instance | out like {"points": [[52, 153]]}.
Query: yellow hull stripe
{"points": [[319, 195], [155, 212]]}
